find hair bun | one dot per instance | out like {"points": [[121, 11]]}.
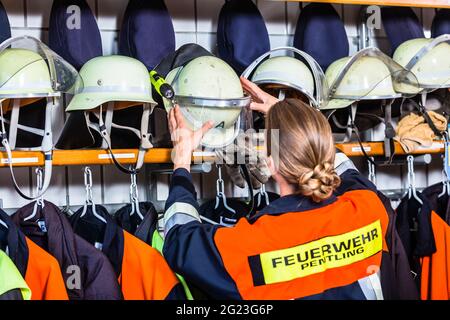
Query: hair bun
{"points": [[319, 183]]}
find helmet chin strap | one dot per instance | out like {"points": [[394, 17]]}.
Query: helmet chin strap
{"points": [[282, 94], [105, 129], [46, 147]]}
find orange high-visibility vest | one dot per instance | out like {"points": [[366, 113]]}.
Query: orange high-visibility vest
{"points": [[299, 254], [43, 275], [145, 274], [435, 275]]}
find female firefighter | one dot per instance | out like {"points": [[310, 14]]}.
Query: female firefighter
{"points": [[325, 238]]}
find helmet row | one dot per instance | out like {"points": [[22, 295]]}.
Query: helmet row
{"points": [[418, 65], [208, 88]]}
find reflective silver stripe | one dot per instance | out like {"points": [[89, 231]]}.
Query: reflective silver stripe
{"points": [[371, 287], [342, 163], [179, 213], [344, 166], [107, 89]]}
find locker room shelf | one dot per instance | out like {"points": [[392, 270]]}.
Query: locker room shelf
{"points": [[84, 157], [377, 149], [402, 3], [163, 155]]}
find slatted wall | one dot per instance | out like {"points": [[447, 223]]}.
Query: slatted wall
{"points": [[194, 21]]}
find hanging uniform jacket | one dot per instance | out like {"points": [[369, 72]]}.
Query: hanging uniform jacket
{"points": [[12, 284], [39, 269], [221, 215], [142, 273], [293, 249], [130, 223], [402, 280], [426, 238], [262, 203], [439, 204], [146, 230], [403, 276], [87, 273]]}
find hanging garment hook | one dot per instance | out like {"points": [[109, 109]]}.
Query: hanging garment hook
{"points": [[89, 195], [134, 196], [220, 192], [445, 182], [412, 180], [39, 203], [445, 166], [262, 193], [372, 174]]}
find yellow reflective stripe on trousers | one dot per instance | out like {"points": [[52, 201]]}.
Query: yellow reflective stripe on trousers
{"points": [[320, 255]]}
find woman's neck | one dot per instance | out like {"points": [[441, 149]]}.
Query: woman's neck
{"points": [[286, 189]]}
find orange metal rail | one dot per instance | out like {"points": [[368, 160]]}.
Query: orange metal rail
{"points": [[160, 155], [401, 3]]}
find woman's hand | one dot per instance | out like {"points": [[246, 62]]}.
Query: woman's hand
{"points": [[185, 140], [261, 100]]}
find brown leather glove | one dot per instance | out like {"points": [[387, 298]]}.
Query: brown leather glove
{"points": [[248, 151], [413, 131]]}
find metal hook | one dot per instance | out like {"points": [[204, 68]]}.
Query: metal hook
{"points": [[88, 185], [40, 201], [220, 189], [372, 174], [89, 196], [134, 196], [220, 186], [445, 173], [412, 180], [445, 184], [262, 193]]}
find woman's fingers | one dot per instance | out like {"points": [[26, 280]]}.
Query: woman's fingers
{"points": [[259, 107], [206, 127], [252, 89], [201, 132], [172, 121], [179, 117]]}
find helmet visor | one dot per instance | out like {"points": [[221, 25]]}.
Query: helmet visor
{"points": [[431, 64], [370, 75], [35, 68], [227, 115], [320, 85]]}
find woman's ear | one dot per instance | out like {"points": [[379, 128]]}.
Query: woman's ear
{"points": [[271, 166]]}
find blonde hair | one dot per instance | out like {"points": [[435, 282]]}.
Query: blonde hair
{"points": [[306, 151]]}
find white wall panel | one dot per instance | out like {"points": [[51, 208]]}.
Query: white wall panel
{"points": [[208, 41], [77, 190], [15, 11], [38, 13], [183, 14], [293, 11], [10, 198], [208, 15], [110, 14], [56, 193], [351, 19], [274, 14], [194, 21], [110, 42], [427, 20], [184, 38], [37, 33], [280, 41]]}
